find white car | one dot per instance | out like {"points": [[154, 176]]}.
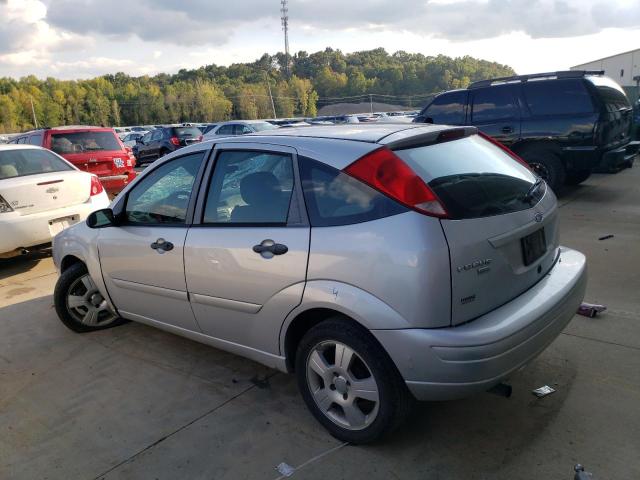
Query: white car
{"points": [[130, 139], [41, 194]]}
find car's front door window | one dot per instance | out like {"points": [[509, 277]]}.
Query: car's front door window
{"points": [[162, 197]]}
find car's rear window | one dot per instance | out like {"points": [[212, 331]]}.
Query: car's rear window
{"points": [[20, 163], [187, 132], [81, 142], [260, 126], [557, 97], [473, 177], [611, 94]]}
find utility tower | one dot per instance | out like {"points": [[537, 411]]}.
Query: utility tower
{"points": [[284, 10]]}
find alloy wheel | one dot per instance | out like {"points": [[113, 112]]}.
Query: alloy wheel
{"points": [[87, 305], [342, 385]]}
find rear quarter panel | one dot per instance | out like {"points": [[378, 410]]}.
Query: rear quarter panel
{"points": [[402, 261]]}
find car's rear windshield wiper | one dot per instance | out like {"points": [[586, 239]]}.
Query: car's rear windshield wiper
{"points": [[528, 197]]}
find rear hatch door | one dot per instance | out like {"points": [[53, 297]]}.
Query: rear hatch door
{"points": [[33, 181], [614, 127], [188, 135], [502, 231]]}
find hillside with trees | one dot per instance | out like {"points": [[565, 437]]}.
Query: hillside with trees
{"points": [[212, 92]]}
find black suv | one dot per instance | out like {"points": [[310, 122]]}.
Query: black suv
{"points": [[159, 142], [564, 124]]}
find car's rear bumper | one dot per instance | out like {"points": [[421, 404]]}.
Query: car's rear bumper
{"points": [[24, 231], [614, 160], [114, 184], [447, 363]]}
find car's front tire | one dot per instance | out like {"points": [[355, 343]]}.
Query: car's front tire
{"points": [[79, 304], [349, 382]]}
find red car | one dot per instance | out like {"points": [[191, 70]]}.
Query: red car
{"points": [[97, 150]]}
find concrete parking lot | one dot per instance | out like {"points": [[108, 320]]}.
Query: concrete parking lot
{"points": [[135, 402]]}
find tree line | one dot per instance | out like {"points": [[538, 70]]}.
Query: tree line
{"points": [[242, 90]]}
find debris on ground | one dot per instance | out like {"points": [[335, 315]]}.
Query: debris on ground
{"points": [[606, 237], [590, 309], [285, 469], [581, 474], [543, 391]]}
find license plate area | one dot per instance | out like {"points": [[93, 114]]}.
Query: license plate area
{"points": [[59, 224], [534, 246]]}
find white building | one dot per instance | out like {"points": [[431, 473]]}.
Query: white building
{"points": [[624, 68]]}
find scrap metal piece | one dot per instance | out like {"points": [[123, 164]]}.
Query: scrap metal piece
{"points": [[285, 469], [543, 391], [581, 474], [590, 309]]}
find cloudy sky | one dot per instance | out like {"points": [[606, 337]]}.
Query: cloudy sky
{"points": [[84, 38]]}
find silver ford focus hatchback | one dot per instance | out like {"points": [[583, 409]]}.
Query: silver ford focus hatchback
{"points": [[380, 263]]}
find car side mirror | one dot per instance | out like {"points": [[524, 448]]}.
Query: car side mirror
{"points": [[101, 219]]}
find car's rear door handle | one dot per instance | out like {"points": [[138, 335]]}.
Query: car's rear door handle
{"points": [[268, 248], [161, 245], [507, 129]]}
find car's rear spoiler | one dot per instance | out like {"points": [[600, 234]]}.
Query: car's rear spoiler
{"points": [[419, 138]]}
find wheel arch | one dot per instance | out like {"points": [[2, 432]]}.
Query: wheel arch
{"points": [[69, 260], [325, 299], [537, 145]]}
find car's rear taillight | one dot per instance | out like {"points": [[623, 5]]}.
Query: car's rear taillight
{"points": [[175, 140], [505, 149], [386, 172], [4, 206], [96, 186]]}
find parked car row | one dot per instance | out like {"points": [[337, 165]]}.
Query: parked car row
{"points": [[564, 124], [96, 150]]}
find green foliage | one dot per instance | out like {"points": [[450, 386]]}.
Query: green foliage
{"points": [[213, 93]]}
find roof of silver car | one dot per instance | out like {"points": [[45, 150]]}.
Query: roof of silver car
{"points": [[370, 133]]}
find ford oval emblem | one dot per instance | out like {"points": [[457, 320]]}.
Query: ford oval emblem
{"points": [[538, 217]]}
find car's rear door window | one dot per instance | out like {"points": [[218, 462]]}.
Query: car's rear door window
{"points": [[250, 187], [80, 142], [494, 103], [23, 162], [474, 178], [557, 97]]}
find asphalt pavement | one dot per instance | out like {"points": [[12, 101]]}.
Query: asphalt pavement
{"points": [[134, 402]]}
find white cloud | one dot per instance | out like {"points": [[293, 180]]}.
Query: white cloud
{"points": [[72, 38]]}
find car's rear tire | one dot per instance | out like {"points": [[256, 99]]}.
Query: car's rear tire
{"points": [[79, 304], [548, 166], [163, 152], [349, 382], [575, 178]]}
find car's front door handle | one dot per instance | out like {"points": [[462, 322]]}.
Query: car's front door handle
{"points": [[161, 245], [268, 248], [507, 129]]}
